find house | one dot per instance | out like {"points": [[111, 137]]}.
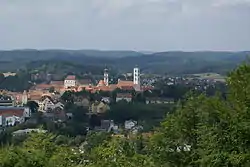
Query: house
{"points": [[130, 124], [7, 100], [108, 126], [70, 81], [124, 96], [10, 116], [159, 100], [58, 105], [45, 104], [99, 107], [106, 100], [136, 129], [7, 74]]}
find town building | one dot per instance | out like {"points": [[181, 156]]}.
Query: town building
{"points": [[10, 116], [70, 81], [6, 100], [130, 124], [124, 96], [106, 77]]}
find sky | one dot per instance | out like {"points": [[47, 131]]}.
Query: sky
{"points": [[142, 25]]}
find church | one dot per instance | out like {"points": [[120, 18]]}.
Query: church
{"points": [[104, 85]]}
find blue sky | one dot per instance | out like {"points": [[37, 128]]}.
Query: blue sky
{"points": [[153, 25]]}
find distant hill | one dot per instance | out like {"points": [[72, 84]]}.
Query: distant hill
{"points": [[160, 62]]}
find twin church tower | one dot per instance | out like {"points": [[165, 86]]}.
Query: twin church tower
{"points": [[136, 76]]}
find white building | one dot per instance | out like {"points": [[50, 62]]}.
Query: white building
{"points": [[10, 116], [130, 124], [106, 77], [137, 76], [137, 79], [46, 104], [124, 96], [24, 98], [70, 81]]}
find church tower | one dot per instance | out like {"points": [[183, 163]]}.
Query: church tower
{"points": [[106, 77], [24, 97], [136, 76]]}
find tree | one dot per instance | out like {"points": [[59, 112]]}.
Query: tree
{"points": [[52, 89], [120, 153], [1, 78], [68, 97], [39, 150], [33, 106], [208, 131]]}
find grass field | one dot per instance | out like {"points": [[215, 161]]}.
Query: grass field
{"points": [[212, 76]]}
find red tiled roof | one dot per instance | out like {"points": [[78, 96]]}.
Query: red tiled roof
{"points": [[127, 87], [57, 83], [125, 83], [34, 97], [105, 88], [11, 112], [42, 86], [70, 77], [101, 83]]}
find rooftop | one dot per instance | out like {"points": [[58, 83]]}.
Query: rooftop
{"points": [[70, 77], [10, 111], [125, 83], [57, 83]]}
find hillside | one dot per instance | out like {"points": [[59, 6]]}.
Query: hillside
{"points": [[161, 62]]}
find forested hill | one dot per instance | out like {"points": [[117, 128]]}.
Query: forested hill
{"points": [[161, 62]]}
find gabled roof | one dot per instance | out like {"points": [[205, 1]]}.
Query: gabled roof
{"points": [[35, 97], [70, 77], [11, 111], [46, 97], [101, 83]]}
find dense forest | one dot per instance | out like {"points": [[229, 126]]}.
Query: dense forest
{"points": [[202, 131], [124, 61]]}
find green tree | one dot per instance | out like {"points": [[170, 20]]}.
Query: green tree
{"points": [[1, 78], [52, 89], [118, 153], [33, 106]]}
